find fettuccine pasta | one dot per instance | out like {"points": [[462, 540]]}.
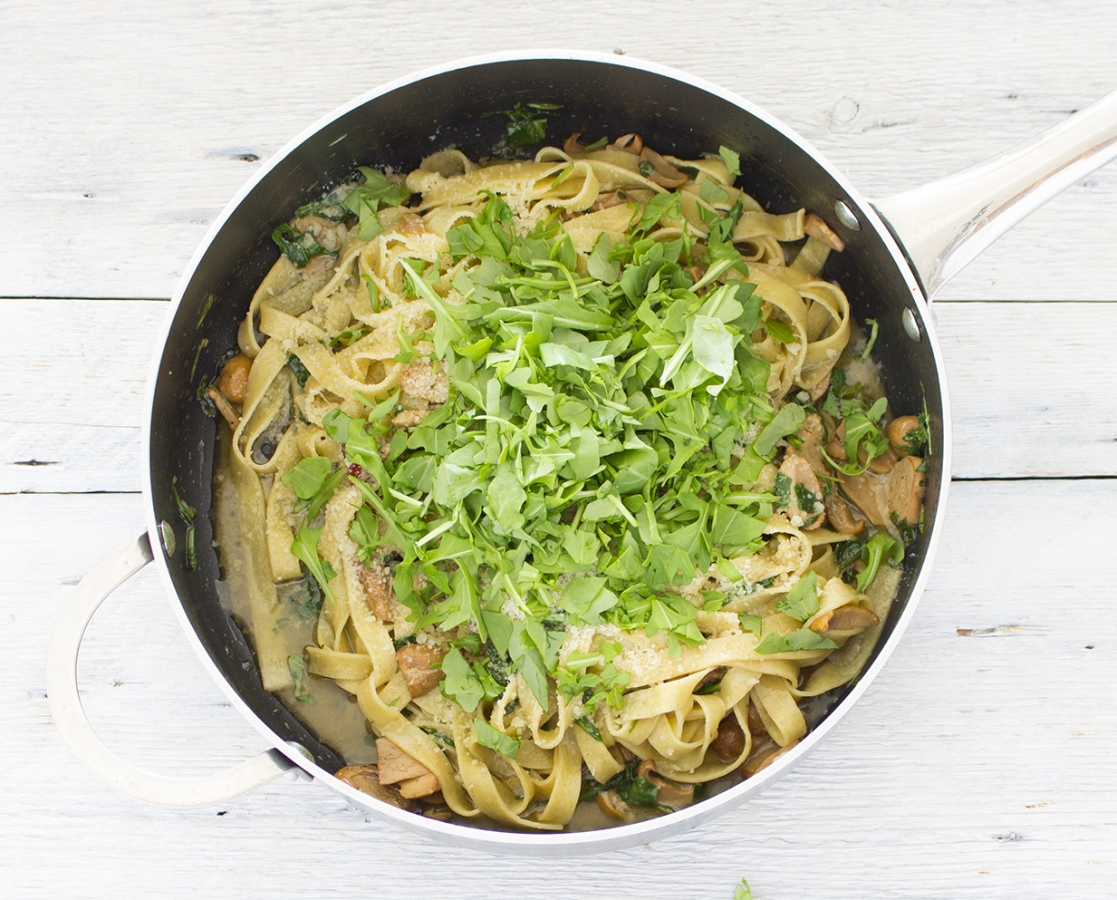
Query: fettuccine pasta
{"points": [[568, 471]]}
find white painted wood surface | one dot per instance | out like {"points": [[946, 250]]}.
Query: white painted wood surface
{"points": [[978, 764]]}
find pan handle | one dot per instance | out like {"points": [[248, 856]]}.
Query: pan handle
{"points": [[944, 225], [65, 704]]}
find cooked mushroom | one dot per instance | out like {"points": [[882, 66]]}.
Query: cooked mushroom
{"points": [[420, 786], [845, 621], [755, 723], [573, 146], [730, 742], [227, 412], [323, 230], [630, 143], [840, 515], [668, 792], [663, 173], [803, 479], [820, 231], [366, 780], [606, 201], [233, 380], [418, 663], [397, 767], [763, 756], [899, 429], [905, 490], [611, 803], [375, 579]]}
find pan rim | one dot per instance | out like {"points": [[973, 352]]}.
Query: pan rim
{"points": [[621, 836]]}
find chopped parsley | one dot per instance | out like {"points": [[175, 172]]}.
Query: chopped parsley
{"points": [[525, 127]]}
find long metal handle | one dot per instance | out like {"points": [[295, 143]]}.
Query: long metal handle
{"points": [[944, 225], [65, 704]]}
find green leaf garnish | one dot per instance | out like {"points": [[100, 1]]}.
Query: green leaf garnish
{"points": [[801, 602], [731, 158], [803, 639], [296, 665], [305, 548], [487, 736]]}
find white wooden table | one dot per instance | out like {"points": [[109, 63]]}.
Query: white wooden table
{"points": [[980, 763]]}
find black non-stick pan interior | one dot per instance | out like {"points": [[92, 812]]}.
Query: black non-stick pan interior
{"points": [[463, 108]]}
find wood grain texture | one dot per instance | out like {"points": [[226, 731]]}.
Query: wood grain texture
{"points": [[1028, 382], [976, 766], [125, 128]]}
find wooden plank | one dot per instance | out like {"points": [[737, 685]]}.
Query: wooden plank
{"points": [[1026, 382], [978, 765], [125, 183]]}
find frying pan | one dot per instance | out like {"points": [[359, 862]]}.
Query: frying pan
{"points": [[898, 253]]}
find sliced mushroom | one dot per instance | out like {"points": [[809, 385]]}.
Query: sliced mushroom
{"points": [[375, 579], [869, 494], [663, 174], [612, 804], [630, 143], [802, 475], [395, 766], [845, 621], [606, 201], [323, 230], [905, 490], [224, 407], [812, 434], [573, 146], [820, 231], [418, 663], [730, 742], [840, 516], [366, 780], [766, 754], [668, 792], [420, 786], [233, 380]]}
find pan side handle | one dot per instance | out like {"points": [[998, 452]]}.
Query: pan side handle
{"points": [[69, 716], [944, 225]]}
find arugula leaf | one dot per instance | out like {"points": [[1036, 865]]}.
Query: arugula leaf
{"points": [[801, 602], [461, 684], [751, 623], [487, 736], [879, 548], [731, 158], [787, 420], [803, 639], [305, 548], [307, 478], [365, 199]]}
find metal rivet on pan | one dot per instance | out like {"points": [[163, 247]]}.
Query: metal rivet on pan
{"points": [[911, 327], [845, 215], [167, 536]]}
